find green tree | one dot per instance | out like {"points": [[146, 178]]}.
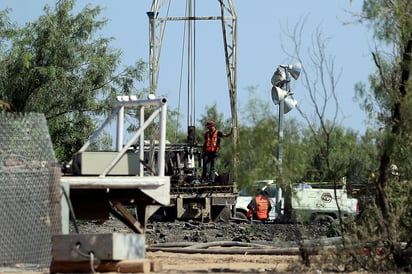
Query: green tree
{"points": [[59, 66], [258, 145], [174, 131], [389, 102], [330, 146], [331, 155], [7, 32]]}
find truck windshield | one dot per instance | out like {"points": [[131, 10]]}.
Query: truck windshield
{"points": [[270, 189], [244, 192]]}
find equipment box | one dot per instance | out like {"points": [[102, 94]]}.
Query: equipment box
{"points": [[94, 163]]}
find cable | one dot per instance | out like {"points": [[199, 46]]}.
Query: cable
{"points": [[194, 68], [190, 29], [90, 255], [92, 268], [180, 79], [250, 251], [189, 67]]}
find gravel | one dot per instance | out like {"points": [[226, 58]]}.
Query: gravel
{"points": [[198, 232]]}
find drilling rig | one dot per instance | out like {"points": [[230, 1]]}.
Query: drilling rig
{"points": [[188, 198], [158, 178]]}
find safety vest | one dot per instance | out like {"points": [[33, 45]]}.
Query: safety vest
{"points": [[262, 207], [212, 142]]}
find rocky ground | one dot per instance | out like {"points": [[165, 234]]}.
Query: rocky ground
{"points": [[198, 232], [241, 232], [168, 241]]}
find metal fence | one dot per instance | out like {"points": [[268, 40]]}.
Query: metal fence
{"points": [[29, 190]]}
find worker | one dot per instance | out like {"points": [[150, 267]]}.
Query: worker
{"points": [[260, 206], [211, 150]]}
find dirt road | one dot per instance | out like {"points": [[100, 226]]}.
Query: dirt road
{"points": [[213, 263]]}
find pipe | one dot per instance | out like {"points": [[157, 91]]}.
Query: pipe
{"points": [[147, 102], [250, 251]]}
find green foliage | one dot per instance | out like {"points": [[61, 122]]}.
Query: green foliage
{"points": [[173, 132], [258, 144], [389, 102], [331, 155], [366, 156], [258, 141], [257, 152], [295, 153], [390, 20], [212, 113], [7, 30], [400, 195], [58, 67]]}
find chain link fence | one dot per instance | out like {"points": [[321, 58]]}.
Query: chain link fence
{"points": [[29, 190]]}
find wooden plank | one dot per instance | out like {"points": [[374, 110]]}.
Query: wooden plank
{"points": [[125, 266], [155, 266], [129, 217]]}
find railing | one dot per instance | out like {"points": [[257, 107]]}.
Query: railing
{"points": [[132, 101]]}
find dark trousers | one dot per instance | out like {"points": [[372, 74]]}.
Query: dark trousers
{"points": [[209, 162]]}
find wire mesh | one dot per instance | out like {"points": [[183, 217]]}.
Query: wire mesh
{"points": [[29, 190]]}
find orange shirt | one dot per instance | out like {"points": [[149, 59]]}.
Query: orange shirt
{"points": [[262, 207], [211, 141]]}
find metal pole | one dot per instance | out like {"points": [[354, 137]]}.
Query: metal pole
{"points": [[229, 30], [152, 47], [280, 136], [132, 141], [162, 140], [288, 194], [280, 130], [119, 130], [97, 132], [141, 143]]}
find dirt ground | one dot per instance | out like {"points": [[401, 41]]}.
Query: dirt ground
{"points": [[198, 235], [213, 263], [168, 234], [220, 255], [178, 263]]}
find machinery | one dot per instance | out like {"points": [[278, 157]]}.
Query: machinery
{"points": [[103, 182], [158, 178], [188, 198]]}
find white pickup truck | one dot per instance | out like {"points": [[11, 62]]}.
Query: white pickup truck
{"points": [[308, 204]]}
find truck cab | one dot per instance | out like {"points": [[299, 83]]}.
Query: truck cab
{"points": [[246, 195]]}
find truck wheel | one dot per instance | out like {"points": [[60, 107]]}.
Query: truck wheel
{"points": [[240, 215], [323, 221], [334, 230]]}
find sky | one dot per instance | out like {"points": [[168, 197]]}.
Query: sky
{"points": [[261, 36]]}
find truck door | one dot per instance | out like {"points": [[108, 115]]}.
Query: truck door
{"points": [[274, 200]]}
